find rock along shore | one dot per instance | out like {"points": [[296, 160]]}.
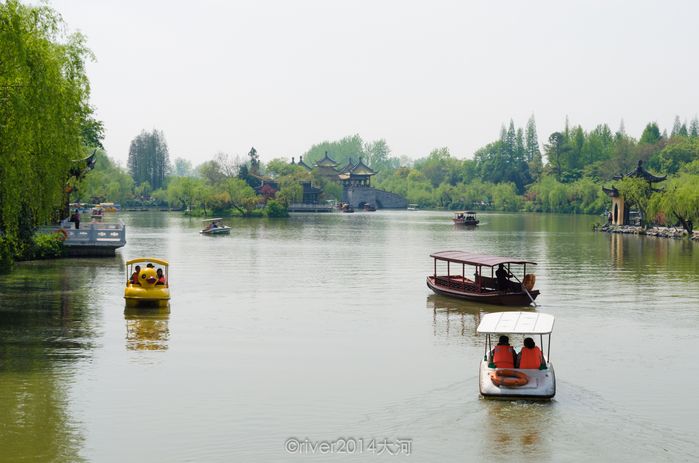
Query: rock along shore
{"points": [[660, 232]]}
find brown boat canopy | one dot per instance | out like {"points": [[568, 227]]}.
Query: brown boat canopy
{"points": [[462, 257]]}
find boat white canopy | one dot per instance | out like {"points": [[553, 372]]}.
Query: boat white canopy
{"points": [[212, 220], [516, 323]]}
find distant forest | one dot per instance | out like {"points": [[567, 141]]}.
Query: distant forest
{"points": [[515, 172]]}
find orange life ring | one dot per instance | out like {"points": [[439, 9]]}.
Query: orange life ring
{"points": [[509, 378], [62, 234]]}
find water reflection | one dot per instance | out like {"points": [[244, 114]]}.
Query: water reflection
{"points": [[147, 329], [517, 428], [47, 328], [460, 318]]}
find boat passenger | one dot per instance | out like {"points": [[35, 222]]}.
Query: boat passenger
{"points": [[161, 277], [530, 357], [503, 277], [503, 355], [149, 265], [134, 276]]}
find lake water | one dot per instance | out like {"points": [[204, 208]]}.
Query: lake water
{"points": [[321, 327]]}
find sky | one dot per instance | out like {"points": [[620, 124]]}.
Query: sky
{"points": [[283, 75]]}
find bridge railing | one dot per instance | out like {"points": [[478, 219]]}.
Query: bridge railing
{"points": [[96, 234]]}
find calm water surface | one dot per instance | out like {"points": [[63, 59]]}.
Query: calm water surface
{"points": [[321, 326]]}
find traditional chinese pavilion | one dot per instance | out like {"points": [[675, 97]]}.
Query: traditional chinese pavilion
{"points": [[620, 211], [358, 175], [301, 163], [326, 167]]}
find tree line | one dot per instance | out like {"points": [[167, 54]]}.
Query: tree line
{"points": [[515, 172]]}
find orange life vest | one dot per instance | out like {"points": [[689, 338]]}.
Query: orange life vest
{"points": [[503, 357], [530, 358]]}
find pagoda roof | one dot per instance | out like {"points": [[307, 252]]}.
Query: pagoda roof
{"points": [[362, 169], [348, 167], [611, 192], [641, 172], [303, 164], [326, 161], [326, 171]]}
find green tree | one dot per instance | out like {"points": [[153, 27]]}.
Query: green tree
{"points": [[651, 134], [45, 117], [107, 181], [149, 160], [182, 168], [680, 199], [637, 192], [678, 152]]}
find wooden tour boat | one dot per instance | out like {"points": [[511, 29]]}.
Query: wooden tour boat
{"points": [[483, 285], [467, 218], [517, 383]]}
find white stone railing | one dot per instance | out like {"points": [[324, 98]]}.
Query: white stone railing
{"points": [[95, 234]]}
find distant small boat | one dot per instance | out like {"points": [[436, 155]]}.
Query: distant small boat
{"points": [[467, 218], [215, 227], [369, 208], [412, 207], [479, 286], [346, 207], [97, 213], [109, 207]]}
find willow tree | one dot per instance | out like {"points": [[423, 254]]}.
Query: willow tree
{"points": [[45, 116], [679, 200]]}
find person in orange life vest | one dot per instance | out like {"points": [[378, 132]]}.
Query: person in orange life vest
{"points": [[161, 277], [503, 355], [530, 357], [134, 276]]}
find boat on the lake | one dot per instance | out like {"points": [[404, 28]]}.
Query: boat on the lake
{"points": [[537, 381], [97, 213], [467, 218], [146, 285], [413, 207], [478, 279], [369, 208], [109, 207], [215, 227], [347, 208]]}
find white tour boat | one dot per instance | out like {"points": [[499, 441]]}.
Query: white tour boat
{"points": [[515, 383]]}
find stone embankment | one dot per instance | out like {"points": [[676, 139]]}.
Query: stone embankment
{"points": [[660, 232]]}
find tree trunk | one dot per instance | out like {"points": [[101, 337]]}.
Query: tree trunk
{"points": [[686, 223]]}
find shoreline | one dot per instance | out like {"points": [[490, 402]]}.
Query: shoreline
{"points": [[656, 231]]}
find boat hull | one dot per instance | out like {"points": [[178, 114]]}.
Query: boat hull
{"points": [[488, 297], [147, 297], [468, 223], [541, 385], [217, 231]]}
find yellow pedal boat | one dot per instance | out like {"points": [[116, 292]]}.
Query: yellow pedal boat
{"points": [[146, 285]]}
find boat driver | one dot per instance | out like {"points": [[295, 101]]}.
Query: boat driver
{"points": [[503, 277], [503, 355]]}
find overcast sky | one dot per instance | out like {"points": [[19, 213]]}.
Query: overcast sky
{"points": [[284, 75]]}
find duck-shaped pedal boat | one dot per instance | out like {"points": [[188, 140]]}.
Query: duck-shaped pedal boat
{"points": [[146, 285]]}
